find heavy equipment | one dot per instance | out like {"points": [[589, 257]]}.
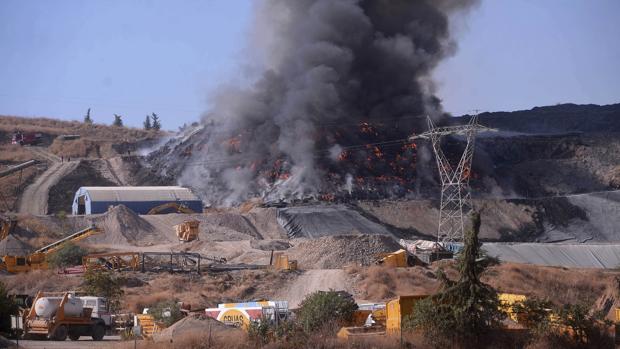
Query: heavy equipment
{"points": [[393, 259], [170, 207], [280, 261], [38, 259], [187, 231], [383, 320], [58, 315], [117, 261]]}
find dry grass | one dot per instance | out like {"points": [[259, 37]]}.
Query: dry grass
{"points": [[207, 290], [13, 153], [8, 185], [40, 280], [560, 285], [58, 127]]}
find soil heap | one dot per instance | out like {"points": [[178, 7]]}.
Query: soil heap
{"points": [[337, 251]]}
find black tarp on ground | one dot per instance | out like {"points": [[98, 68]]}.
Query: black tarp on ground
{"points": [[326, 220]]}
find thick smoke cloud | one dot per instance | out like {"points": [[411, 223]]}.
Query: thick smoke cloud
{"points": [[329, 65]]}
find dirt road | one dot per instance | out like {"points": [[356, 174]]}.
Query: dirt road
{"points": [[314, 280], [35, 197], [84, 342]]}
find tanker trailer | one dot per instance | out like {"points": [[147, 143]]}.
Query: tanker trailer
{"points": [[58, 315]]}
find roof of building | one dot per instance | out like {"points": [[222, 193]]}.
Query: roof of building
{"points": [[114, 194]]}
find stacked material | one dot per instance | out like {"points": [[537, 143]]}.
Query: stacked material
{"points": [[563, 255], [326, 220]]}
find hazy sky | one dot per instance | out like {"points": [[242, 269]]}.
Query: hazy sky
{"points": [[58, 58]]}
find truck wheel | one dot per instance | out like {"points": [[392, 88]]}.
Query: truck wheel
{"points": [[98, 332], [61, 333], [74, 336]]}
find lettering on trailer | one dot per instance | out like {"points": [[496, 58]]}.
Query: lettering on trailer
{"points": [[234, 317]]}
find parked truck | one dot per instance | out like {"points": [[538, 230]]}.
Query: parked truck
{"points": [[58, 315], [26, 138]]}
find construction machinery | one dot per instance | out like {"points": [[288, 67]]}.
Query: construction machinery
{"points": [[26, 138], [383, 320], [58, 315], [393, 259], [38, 259], [187, 231], [117, 261], [280, 261], [170, 207]]}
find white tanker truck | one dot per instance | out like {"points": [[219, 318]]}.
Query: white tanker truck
{"points": [[57, 316]]}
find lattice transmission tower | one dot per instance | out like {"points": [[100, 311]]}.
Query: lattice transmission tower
{"points": [[455, 190]]}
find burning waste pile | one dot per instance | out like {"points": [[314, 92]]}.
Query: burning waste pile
{"points": [[343, 85]]}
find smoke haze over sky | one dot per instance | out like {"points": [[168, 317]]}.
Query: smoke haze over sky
{"points": [[59, 58]]}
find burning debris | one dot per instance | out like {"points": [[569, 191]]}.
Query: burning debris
{"points": [[344, 85]]}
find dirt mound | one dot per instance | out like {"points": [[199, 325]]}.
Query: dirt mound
{"points": [[14, 246], [337, 251], [197, 325], [121, 226]]}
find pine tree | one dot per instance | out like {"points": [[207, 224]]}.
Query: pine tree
{"points": [[147, 123], [118, 120], [156, 124], [87, 119]]}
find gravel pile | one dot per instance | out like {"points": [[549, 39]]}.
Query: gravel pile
{"points": [[337, 251], [196, 325], [121, 225]]}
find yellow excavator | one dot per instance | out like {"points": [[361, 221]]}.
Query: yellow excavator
{"points": [[170, 207], [38, 259]]}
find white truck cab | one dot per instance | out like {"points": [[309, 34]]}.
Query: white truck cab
{"points": [[99, 305]]}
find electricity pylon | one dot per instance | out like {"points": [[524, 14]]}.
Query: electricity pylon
{"points": [[455, 190]]}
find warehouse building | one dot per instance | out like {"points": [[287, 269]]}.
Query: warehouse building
{"points": [[142, 200]]}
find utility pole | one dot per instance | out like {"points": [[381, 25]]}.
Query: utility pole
{"points": [[455, 190]]}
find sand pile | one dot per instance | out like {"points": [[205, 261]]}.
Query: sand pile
{"points": [[196, 325], [337, 251], [14, 246], [121, 225], [270, 245]]}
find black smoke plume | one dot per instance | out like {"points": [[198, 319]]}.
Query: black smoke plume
{"points": [[343, 83]]}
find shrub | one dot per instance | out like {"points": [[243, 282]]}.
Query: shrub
{"points": [[7, 308], [167, 312], [102, 283], [68, 255], [321, 308]]}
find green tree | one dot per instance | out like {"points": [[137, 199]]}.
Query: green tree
{"points": [[118, 120], [87, 119], [167, 312], [156, 122], [102, 283], [147, 123], [68, 255], [465, 310], [325, 307], [7, 308]]}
